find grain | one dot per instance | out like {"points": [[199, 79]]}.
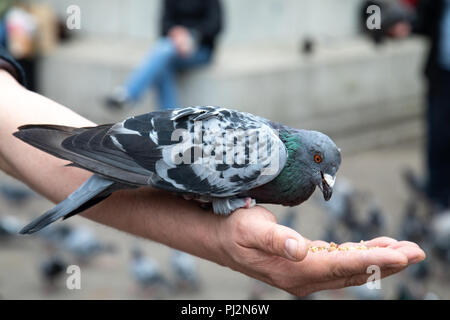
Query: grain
{"points": [[333, 247]]}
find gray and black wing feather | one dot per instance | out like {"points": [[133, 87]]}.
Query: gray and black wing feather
{"points": [[206, 161]]}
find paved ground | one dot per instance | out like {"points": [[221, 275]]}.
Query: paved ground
{"points": [[376, 172]]}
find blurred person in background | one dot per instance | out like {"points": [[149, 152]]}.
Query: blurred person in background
{"points": [[430, 18], [189, 29], [4, 6], [25, 30]]}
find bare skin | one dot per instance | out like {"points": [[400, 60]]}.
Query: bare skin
{"points": [[248, 241], [182, 40]]}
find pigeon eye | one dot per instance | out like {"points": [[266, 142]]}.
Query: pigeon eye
{"points": [[317, 158]]}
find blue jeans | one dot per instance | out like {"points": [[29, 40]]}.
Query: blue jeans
{"points": [[158, 70], [3, 34]]}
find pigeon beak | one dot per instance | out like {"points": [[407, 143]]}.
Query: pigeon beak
{"points": [[326, 185]]}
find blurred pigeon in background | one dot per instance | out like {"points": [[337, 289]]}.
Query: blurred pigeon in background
{"points": [[84, 245], [373, 227], [414, 291], [9, 226], [419, 271], [331, 235], [440, 236], [414, 183], [51, 270], [363, 292], [413, 227], [55, 234], [341, 208], [16, 195], [78, 241], [141, 151], [185, 271], [403, 292], [418, 188]]}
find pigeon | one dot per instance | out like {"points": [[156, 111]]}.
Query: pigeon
{"points": [[52, 269], [222, 157], [403, 292], [330, 235], [415, 183], [413, 227], [374, 225], [341, 208], [146, 271], [80, 242], [440, 235], [420, 271], [84, 245], [185, 270], [9, 226], [15, 194], [363, 292], [55, 235]]}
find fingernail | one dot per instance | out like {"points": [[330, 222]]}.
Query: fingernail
{"points": [[291, 246]]}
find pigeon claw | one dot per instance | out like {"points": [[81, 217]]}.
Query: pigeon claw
{"points": [[249, 203]]}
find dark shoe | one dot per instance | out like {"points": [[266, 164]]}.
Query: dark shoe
{"points": [[117, 99], [416, 184]]}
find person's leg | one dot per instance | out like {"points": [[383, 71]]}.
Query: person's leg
{"points": [[151, 69], [167, 93], [3, 34], [438, 147], [200, 57]]}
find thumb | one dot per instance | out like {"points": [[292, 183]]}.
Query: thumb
{"points": [[279, 240]]}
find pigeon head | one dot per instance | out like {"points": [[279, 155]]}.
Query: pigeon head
{"points": [[322, 158]]}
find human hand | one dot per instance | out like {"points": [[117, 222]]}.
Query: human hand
{"points": [[256, 245], [182, 40]]}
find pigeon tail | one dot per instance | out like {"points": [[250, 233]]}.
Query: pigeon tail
{"points": [[94, 190]]}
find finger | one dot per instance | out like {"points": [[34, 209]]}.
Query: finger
{"points": [[380, 242], [355, 280], [399, 244], [341, 264], [350, 244], [377, 242], [276, 239], [410, 250]]}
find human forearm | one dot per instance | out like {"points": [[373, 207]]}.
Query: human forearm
{"points": [[148, 213]]}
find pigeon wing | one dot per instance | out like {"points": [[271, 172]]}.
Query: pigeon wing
{"points": [[201, 150]]}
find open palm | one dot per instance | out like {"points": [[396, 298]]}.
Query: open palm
{"points": [[257, 247]]}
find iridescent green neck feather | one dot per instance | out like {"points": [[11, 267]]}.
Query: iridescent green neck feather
{"points": [[293, 184]]}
